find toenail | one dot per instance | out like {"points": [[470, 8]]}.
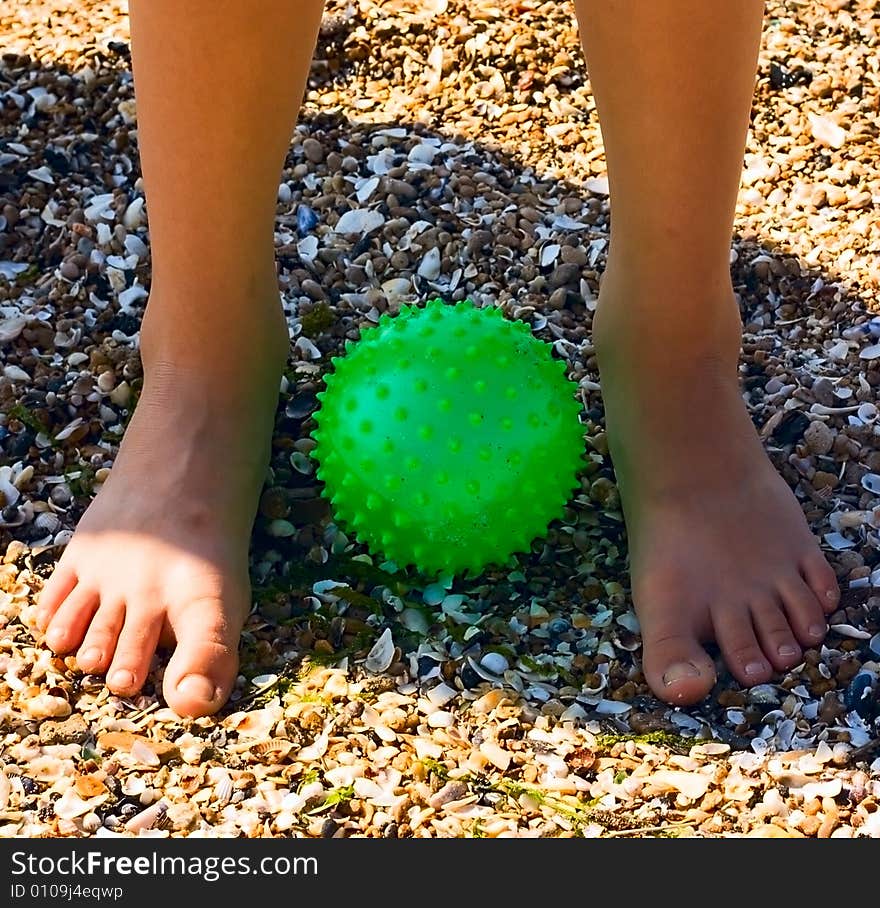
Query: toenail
{"points": [[756, 668], [787, 650], [679, 671], [122, 679], [198, 687], [55, 636], [91, 656], [817, 630]]}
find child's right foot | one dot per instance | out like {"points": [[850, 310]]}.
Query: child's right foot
{"points": [[162, 551]]}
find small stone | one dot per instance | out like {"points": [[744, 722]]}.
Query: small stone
{"points": [[451, 791], [567, 274], [557, 298], [824, 480], [823, 391], [45, 706], [313, 150], [126, 740], [72, 730], [69, 271], [184, 817], [818, 438]]}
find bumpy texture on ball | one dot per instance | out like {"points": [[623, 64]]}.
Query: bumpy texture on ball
{"points": [[448, 437]]}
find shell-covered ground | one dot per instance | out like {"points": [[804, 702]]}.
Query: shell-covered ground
{"points": [[452, 152]]}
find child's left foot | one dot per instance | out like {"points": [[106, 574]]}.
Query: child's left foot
{"points": [[719, 547]]}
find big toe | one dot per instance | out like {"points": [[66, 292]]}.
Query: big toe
{"points": [[202, 670], [677, 668]]}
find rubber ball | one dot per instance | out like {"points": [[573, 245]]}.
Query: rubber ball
{"points": [[448, 438]]}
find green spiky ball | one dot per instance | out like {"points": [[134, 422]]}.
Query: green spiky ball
{"points": [[448, 437]]}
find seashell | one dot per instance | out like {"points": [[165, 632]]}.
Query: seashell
{"points": [[763, 694], [70, 805], [871, 352], [127, 298], [148, 818], [100, 206], [612, 707], [135, 246], [630, 622], [264, 680], [361, 221], [223, 790], [423, 153], [441, 719], [43, 175], [307, 248], [871, 482], [285, 194], [307, 220], [826, 131], [481, 672], [549, 254], [838, 542], [133, 216], [382, 653], [441, 694], [318, 747], [91, 822], [133, 786], [9, 493], [839, 350], [9, 270], [302, 463], [693, 785], [843, 520], [47, 523], [601, 684], [429, 267], [847, 630], [365, 187], [867, 412], [279, 746]]}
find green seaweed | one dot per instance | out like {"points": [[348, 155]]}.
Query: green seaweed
{"points": [[335, 797], [317, 320]]}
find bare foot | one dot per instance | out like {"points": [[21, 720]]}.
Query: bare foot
{"points": [[161, 554], [719, 547]]}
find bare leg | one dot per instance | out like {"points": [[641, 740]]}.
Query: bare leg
{"points": [[719, 548], [161, 554]]}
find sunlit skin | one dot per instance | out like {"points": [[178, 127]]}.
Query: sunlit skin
{"points": [[719, 548]]}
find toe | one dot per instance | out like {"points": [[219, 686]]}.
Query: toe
{"points": [[68, 624], [819, 576], [736, 637], [202, 669], [676, 667], [774, 633], [135, 647], [99, 644], [56, 589], [805, 612]]}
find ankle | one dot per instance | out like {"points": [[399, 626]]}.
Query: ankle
{"points": [[227, 330], [664, 320]]}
